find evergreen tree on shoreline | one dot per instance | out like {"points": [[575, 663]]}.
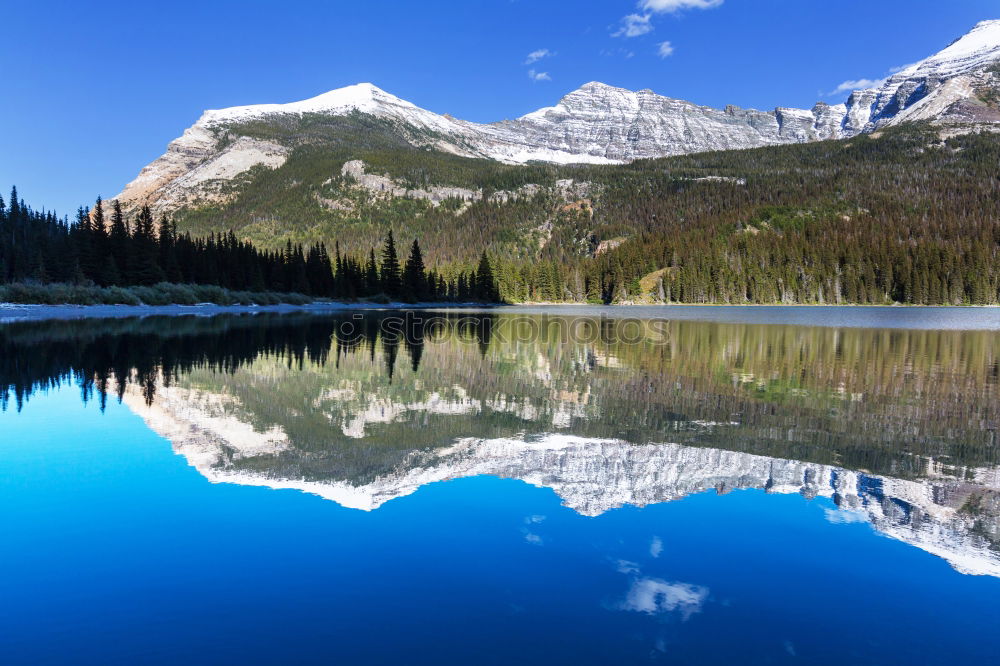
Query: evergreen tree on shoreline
{"points": [[145, 266], [414, 279], [485, 288], [390, 275], [119, 246], [371, 273]]}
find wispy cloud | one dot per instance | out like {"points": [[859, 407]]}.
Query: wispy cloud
{"points": [[656, 547], [863, 84], [855, 84], [538, 76], [634, 25], [669, 6], [638, 24], [624, 53], [535, 56], [627, 567], [665, 50]]}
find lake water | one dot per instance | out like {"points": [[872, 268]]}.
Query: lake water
{"points": [[569, 486]]}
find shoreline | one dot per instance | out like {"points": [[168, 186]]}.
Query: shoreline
{"points": [[15, 312], [749, 305], [987, 317]]}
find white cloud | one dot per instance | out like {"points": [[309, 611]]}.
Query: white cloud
{"points": [[864, 84], [666, 49], [668, 6], [857, 84], [538, 76], [656, 596], [656, 547], [535, 56], [634, 25]]}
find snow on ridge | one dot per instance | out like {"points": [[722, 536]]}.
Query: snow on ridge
{"points": [[361, 96], [977, 48], [974, 49], [501, 140]]}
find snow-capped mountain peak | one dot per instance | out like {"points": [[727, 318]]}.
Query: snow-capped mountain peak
{"points": [[360, 97], [979, 47], [596, 123]]}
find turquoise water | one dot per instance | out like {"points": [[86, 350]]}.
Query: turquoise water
{"points": [[724, 496]]}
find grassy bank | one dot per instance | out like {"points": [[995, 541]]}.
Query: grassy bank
{"points": [[159, 294]]}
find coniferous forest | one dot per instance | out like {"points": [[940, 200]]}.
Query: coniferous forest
{"points": [[903, 217], [109, 250]]}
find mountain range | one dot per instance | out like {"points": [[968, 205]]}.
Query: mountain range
{"points": [[957, 88]]}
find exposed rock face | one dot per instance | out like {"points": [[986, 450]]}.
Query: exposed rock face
{"points": [[595, 124], [387, 187], [620, 125], [384, 186], [593, 476]]}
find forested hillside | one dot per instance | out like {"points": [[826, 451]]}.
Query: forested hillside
{"points": [[899, 216]]}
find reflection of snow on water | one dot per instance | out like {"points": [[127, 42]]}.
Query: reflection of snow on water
{"points": [[593, 476]]}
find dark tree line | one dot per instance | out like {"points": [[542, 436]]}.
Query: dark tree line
{"points": [[411, 281], [103, 358], [110, 250]]}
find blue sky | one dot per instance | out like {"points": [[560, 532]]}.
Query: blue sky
{"points": [[94, 91]]}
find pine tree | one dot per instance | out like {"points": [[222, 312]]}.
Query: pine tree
{"points": [[391, 279], [145, 269], [414, 279], [90, 228], [371, 274], [167, 243], [485, 285], [119, 244], [300, 278]]}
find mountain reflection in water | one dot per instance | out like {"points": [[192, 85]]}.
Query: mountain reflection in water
{"points": [[898, 427]]}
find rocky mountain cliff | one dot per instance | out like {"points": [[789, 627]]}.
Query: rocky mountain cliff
{"points": [[958, 87]]}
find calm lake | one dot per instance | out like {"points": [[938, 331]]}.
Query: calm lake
{"points": [[530, 486]]}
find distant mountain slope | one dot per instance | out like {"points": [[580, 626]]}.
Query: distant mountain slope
{"points": [[598, 124]]}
